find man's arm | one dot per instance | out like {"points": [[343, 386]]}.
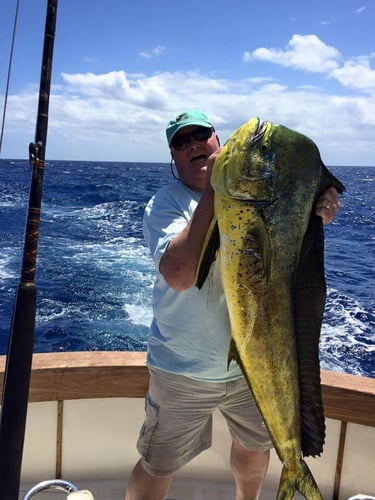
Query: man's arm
{"points": [[180, 261]]}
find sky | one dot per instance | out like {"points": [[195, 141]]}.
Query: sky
{"points": [[123, 68]]}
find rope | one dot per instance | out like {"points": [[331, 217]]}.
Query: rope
{"points": [[8, 76]]}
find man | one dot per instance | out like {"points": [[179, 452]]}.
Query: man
{"points": [[190, 333]]}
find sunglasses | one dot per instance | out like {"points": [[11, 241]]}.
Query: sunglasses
{"points": [[183, 140]]}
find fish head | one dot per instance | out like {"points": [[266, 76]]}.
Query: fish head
{"points": [[263, 161], [244, 168]]}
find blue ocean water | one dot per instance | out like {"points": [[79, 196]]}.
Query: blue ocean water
{"points": [[94, 273]]}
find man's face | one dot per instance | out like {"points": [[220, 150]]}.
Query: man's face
{"points": [[193, 146]]}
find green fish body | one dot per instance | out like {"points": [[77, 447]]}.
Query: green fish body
{"points": [[266, 181]]}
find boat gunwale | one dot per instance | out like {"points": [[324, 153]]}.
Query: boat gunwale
{"points": [[123, 374]]}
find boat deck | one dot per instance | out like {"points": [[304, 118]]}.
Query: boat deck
{"points": [[180, 490]]}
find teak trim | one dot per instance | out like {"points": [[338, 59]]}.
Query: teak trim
{"points": [[87, 375]]}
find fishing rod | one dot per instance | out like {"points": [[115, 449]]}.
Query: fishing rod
{"points": [[21, 340], [8, 75]]}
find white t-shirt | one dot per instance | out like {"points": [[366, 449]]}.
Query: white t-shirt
{"points": [[190, 331]]}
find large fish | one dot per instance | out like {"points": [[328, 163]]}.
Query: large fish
{"points": [[266, 180]]}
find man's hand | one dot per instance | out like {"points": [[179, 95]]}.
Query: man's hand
{"points": [[328, 205], [210, 164]]}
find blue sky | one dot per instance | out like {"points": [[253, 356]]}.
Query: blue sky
{"points": [[123, 68]]}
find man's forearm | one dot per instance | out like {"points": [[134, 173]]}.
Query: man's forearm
{"points": [[179, 262]]}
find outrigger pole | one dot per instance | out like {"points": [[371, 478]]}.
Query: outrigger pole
{"points": [[21, 340]]}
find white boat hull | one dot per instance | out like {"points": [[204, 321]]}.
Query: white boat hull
{"points": [[99, 441], [75, 433]]}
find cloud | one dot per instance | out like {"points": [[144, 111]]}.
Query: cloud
{"points": [[115, 85], [309, 53], [156, 52], [306, 52], [112, 84], [360, 9], [121, 116], [356, 74], [89, 60]]}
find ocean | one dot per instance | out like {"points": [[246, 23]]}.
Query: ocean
{"points": [[94, 274]]}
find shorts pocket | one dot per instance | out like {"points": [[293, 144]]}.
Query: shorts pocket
{"points": [[148, 428]]}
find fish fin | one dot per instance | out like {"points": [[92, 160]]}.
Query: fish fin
{"points": [[309, 303], [300, 480], [233, 354], [208, 254], [328, 180]]}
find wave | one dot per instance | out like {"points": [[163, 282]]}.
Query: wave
{"points": [[95, 276], [347, 343]]}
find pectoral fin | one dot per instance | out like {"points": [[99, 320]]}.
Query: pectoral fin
{"points": [[328, 180], [208, 255]]}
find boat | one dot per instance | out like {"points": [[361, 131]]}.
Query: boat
{"points": [[85, 410]]}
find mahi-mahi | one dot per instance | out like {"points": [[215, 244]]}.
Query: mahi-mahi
{"points": [[267, 179]]}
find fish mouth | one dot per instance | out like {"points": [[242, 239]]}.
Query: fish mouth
{"points": [[260, 203]]}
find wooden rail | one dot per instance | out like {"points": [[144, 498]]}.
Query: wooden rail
{"points": [[86, 375]]}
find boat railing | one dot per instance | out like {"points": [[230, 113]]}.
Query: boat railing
{"points": [[67, 376]]}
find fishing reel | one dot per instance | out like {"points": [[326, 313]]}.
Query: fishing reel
{"points": [[59, 485]]}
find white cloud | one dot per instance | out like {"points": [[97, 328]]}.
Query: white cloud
{"points": [[155, 52], [309, 53], [306, 52], [89, 121], [112, 84], [90, 60], [122, 116], [115, 85], [360, 9], [356, 74]]}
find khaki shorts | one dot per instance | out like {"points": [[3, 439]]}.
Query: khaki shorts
{"points": [[178, 422]]}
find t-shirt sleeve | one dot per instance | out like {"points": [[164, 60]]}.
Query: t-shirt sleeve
{"points": [[164, 218]]}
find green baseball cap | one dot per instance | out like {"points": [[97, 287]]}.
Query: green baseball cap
{"points": [[190, 117]]}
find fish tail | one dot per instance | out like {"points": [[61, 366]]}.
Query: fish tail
{"points": [[301, 480]]}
